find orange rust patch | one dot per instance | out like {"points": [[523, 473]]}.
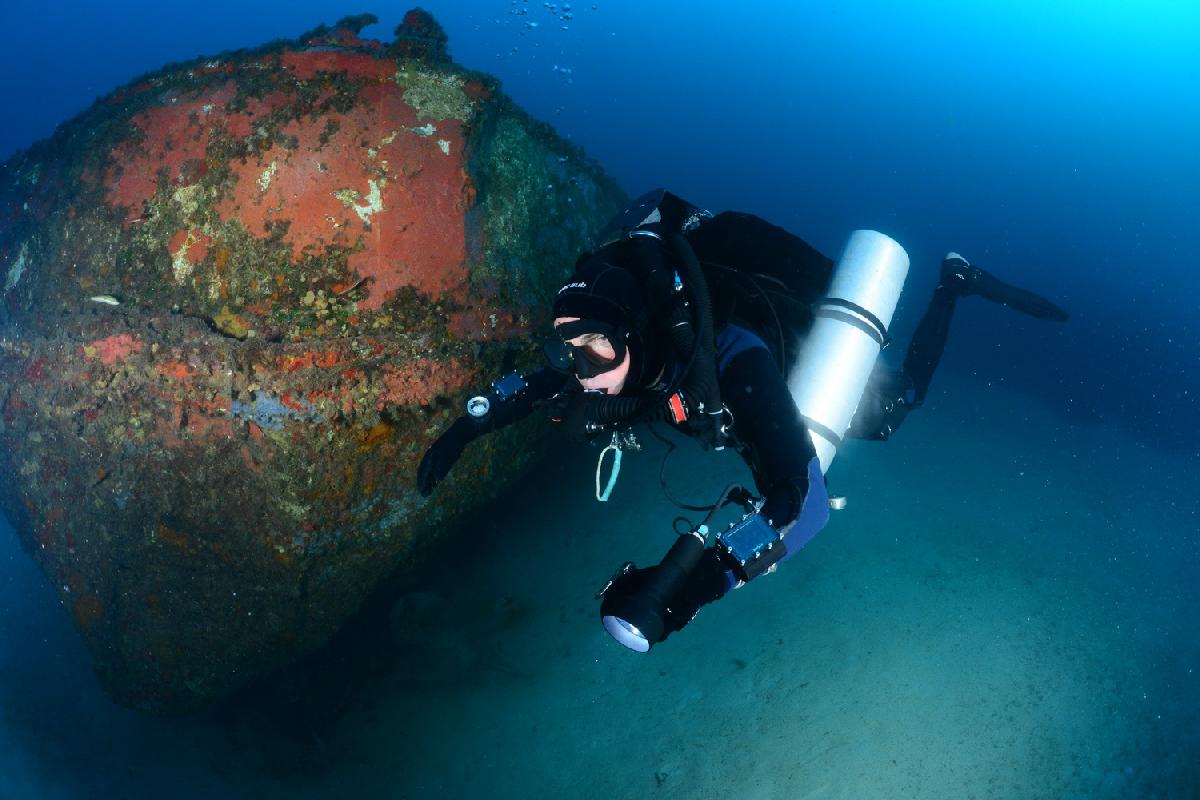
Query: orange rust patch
{"points": [[173, 537], [241, 125], [36, 370], [421, 381], [201, 418], [201, 426], [379, 434], [214, 69], [199, 248], [476, 90], [113, 348], [191, 245], [88, 609], [124, 94], [296, 404], [175, 138], [324, 359], [175, 369], [307, 64], [364, 181]]}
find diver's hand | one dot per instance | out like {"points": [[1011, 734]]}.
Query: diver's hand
{"points": [[441, 455], [575, 412]]}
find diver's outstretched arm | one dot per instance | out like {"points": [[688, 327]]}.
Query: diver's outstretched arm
{"points": [[511, 399]]}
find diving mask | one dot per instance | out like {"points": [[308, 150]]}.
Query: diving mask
{"points": [[587, 348]]}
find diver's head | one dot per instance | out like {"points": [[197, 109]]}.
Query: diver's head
{"points": [[597, 352], [600, 320]]}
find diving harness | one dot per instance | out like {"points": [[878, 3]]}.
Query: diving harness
{"points": [[692, 399]]}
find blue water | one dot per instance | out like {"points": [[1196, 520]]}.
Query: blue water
{"points": [[1052, 143]]}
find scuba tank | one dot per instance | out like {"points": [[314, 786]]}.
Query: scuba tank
{"points": [[825, 326], [830, 372]]}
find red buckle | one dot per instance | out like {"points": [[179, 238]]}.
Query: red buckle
{"points": [[678, 408]]}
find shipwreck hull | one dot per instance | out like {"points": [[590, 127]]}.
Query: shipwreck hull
{"points": [[242, 296]]}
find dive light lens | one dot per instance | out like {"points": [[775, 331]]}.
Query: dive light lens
{"points": [[626, 633]]}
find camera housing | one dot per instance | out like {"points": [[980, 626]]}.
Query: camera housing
{"points": [[751, 546]]}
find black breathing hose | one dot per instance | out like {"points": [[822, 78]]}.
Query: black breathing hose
{"points": [[699, 378], [702, 378]]}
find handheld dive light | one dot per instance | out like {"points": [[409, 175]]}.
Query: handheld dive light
{"points": [[634, 608], [636, 602]]}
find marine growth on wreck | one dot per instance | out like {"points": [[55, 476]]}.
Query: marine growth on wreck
{"points": [[241, 296]]}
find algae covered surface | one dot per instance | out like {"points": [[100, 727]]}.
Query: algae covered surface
{"points": [[311, 254]]}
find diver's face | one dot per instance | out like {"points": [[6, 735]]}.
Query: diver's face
{"points": [[609, 374]]}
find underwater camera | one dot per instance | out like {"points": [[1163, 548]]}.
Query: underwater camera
{"points": [[636, 604]]}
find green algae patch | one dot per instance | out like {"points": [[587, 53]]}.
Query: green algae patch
{"points": [[541, 202], [230, 324], [435, 95]]}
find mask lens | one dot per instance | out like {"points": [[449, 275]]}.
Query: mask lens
{"points": [[559, 354], [599, 351], [593, 348]]}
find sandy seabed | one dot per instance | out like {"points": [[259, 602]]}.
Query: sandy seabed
{"points": [[1006, 609]]}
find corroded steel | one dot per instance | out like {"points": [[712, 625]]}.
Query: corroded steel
{"points": [[241, 296]]}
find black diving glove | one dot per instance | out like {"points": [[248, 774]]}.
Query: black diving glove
{"points": [[511, 399], [575, 411], [441, 455]]}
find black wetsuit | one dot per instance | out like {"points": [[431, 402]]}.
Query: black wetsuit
{"points": [[774, 306], [768, 431], [763, 283]]}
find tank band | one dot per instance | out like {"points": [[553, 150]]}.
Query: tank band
{"points": [[868, 323]]}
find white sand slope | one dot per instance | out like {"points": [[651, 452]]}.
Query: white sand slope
{"points": [[996, 615]]}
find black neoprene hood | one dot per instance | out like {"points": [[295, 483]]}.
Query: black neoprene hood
{"points": [[602, 291]]}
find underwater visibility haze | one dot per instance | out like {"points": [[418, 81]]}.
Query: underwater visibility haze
{"points": [[1006, 606]]}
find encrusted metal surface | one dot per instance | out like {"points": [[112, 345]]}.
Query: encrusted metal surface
{"points": [[241, 297]]}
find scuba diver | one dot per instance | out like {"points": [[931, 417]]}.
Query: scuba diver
{"points": [[692, 320]]}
